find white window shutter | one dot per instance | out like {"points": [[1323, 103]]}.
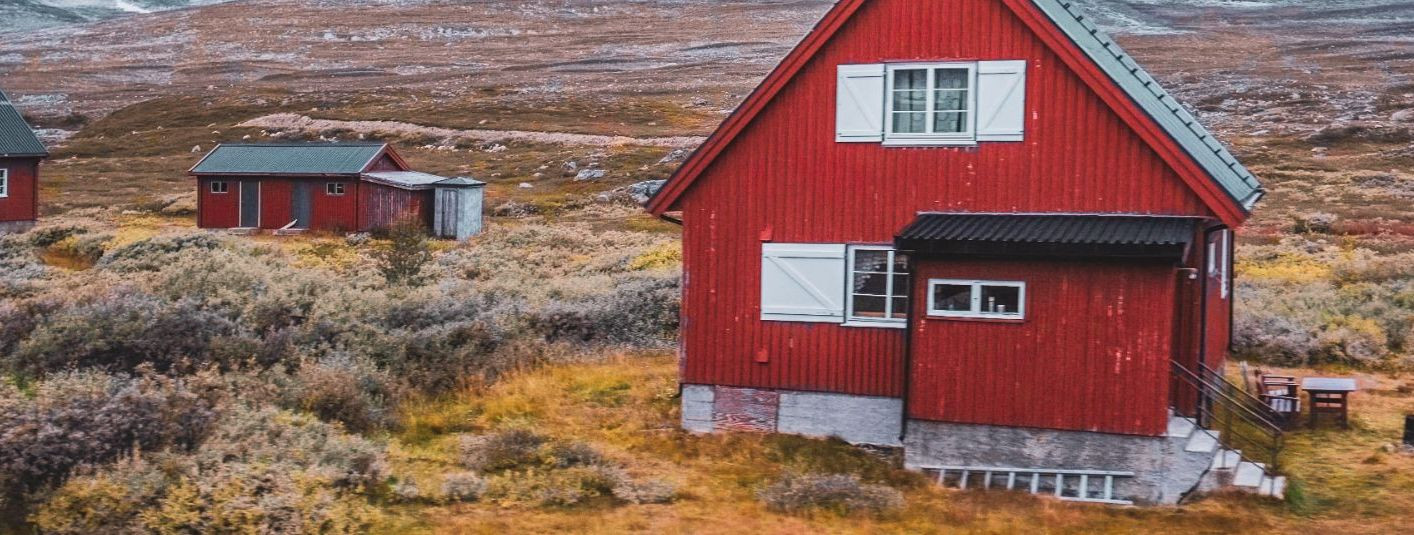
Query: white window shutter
{"points": [[859, 104], [1001, 100], [803, 282]]}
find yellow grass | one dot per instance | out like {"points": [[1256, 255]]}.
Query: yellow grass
{"points": [[627, 407]]}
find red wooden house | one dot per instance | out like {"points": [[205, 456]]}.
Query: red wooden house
{"points": [[976, 229], [342, 187], [20, 154]]}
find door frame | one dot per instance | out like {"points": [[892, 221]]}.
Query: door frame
{"points": [[240, 212]]}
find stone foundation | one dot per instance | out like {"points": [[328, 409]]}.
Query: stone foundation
{"points": [[15, 227], [854, 419], [1164, 470]]}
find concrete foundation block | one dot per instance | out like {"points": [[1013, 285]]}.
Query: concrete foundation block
{"points": [[15, 227], [854, 419], [697, 408]]}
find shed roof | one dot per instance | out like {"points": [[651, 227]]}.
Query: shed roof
{"points": [[289, 159], [1087, 235], [16, 137], [418, 180]]}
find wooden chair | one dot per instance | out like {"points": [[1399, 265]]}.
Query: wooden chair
{"points": [[1281, 394]]}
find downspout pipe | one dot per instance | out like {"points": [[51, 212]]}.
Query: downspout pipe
{"points": [[909, 318]]}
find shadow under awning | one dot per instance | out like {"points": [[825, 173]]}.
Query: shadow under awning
{"points": [[1056, 236]]}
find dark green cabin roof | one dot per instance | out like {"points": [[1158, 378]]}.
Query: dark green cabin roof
{"points": [[16, 137], [289, 159]]}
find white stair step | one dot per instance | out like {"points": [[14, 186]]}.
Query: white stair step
{"points": [[1274, 487], [1181, 427], [1202, 442], [1249, 475], [1226, 459]]}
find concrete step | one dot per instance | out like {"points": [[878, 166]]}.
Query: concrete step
{"points": [[1249, 474], [1274, 487], [243, 231], [1202, 442], [290, 231], [1226, 459], [1181, 427]]}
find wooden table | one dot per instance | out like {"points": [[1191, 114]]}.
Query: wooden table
{"points": [[1330, 395]]}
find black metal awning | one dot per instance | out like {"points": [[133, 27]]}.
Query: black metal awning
{"points": [[1049, 236]]}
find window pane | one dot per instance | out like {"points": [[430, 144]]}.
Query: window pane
{"points": [[869, 260], [901, 285], [910, 123], [870, 283], [1001, 300], [950, 122], [951, 79], [952, 297], [950, 100], [900, 307], [900, 262], [869, 306], [911, 79]]}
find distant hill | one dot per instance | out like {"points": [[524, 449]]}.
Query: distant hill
{"points": [[32, 14]]}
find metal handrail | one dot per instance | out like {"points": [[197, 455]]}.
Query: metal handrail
{"points": [[1270, 439], [1246, 398]]}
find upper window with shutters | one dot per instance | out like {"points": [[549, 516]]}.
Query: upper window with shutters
{"points": [[931, 104]]}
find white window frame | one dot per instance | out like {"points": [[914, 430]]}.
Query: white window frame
{"points": [[4, 182], [225, 187], [852, 320], [930, 138], [1225, 263], [976, 311], [330, 187]]}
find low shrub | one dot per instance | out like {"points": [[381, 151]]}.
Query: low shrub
{"points": [[260, 471], [46, 236], [153, 254], [85, 419], [505, 450], [842, 494], [639, 312], [351, 391], [463, 486], [524, 468]]}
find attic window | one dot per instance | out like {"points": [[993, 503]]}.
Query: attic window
{"points": [[931, 102], [334, 188], [4, 183]]}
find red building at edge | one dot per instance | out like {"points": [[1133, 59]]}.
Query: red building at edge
{"points": [[20, 154], [975, 229]]}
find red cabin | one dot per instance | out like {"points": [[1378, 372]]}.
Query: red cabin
{"points": [[20, 154], [340, 187], [975, 229]]}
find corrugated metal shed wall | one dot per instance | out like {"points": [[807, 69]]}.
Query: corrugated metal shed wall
{"points": [[786, 174], [1092, 354]]}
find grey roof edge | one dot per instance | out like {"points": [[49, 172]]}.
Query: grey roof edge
{"points": [[43, 151], [1200, 144]]}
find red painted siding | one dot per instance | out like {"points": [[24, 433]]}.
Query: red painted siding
{"points": [[785, 174], [1092, 354], [22, 202], [338, 213], [385, 163], [218, 210], [380, 206]]}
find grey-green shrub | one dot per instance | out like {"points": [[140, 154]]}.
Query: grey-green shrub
{"points": [[840, 493]]}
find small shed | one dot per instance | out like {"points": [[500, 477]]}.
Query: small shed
{"points": [[20, 154], [339, 187]]}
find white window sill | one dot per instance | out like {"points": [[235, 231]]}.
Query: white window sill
{"points": [[977, 317], [930, 142], [877, 324]]}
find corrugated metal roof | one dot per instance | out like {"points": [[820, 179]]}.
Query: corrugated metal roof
{"points": [[1067, 229], [418, 180], [289, 159], [16, 137], [1205, 149]]}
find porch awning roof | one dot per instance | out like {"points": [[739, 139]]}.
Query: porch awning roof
{"points": [[1049, 235]]}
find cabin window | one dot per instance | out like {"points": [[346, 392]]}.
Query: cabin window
{"points": [[334, 188], [976, 299], [220, 187], [4, 183], [931, 103], [879, 286]]}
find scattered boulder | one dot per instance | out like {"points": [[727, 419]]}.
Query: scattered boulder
{"points": [[570, 167], [1403, 116], [514, 209], [677, 155], [196, 148], [642, 191], [526, 185], [590, 174]]}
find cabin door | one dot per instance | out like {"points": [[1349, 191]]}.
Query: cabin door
{"points": [[301, 204], [250, 204]]}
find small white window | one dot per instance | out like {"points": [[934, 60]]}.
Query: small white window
{"points": [[931, 104], [4, 183], [976, 299], [334, 188], [879, 286], [220, 187]]}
